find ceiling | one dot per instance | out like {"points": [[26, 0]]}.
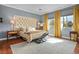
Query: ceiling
{"points": [[39, 8]]}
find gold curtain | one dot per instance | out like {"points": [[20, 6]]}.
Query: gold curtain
{"points": [[57, 25], [76, 19], [46, 22]]}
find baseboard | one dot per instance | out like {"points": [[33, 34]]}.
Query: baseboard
{"points": [[6, 38], [3, 39]]}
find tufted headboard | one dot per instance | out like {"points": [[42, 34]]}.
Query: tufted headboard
{"points": [[21, 21]]}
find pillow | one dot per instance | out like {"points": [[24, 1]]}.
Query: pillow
{"points": [[24, 29], [18, 28], [31, 29]]}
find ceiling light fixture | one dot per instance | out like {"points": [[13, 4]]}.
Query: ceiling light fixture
{"points": [[40, 9]]}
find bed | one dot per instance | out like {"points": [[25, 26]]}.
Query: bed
{"points": [[28, 29], [32, 35]]}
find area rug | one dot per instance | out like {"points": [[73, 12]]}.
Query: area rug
{"points": [[51, 46]]}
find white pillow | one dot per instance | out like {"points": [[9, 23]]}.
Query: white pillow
{"points": [[24, 29], [31, 29], [18, 28]]}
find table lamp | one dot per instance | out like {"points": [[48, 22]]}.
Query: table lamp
{"points": [[12, 23]]}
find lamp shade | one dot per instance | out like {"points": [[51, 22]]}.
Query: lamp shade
{"points": [[12, 22]]}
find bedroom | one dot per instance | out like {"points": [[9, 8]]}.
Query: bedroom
{"points": [[38, 17]]}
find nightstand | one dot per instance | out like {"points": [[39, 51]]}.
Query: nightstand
{"points": [[74, 33], [12, 33]]}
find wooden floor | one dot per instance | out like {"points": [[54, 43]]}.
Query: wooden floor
{"points": [[5, 46]]}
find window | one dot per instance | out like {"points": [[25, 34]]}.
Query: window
{"points": [[51, 26], [67, 21], [66, 25]]}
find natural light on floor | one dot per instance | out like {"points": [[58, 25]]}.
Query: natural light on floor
{"points": [[55, 40]]}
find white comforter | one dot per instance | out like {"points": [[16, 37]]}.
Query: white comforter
{"points": [[29, 36]]}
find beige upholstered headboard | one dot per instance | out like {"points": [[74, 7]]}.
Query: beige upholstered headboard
{"points": [[21, 21]]}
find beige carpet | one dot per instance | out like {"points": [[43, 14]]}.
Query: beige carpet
{"points": [[51, 46]]}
